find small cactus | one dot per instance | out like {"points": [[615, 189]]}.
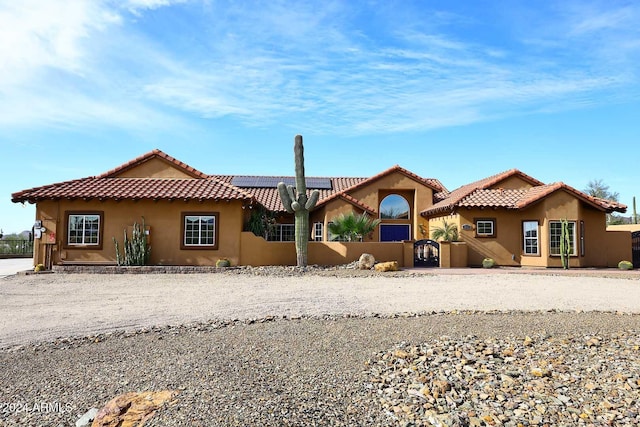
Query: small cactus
{"points": [[488, 263], [625, 265], [565, 244], [295, 201], [223, 262]]}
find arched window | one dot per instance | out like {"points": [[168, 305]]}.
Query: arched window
{"points": [[394, 206]]}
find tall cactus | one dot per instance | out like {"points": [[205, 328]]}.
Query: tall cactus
{"points": [[635, 215], [295, 201], [565, 243]]}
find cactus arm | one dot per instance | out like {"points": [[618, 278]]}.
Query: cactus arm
{"points": [[285, 197], [311, 203]]}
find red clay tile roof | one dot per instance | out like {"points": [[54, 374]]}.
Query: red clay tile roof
{"points": [[449, 200], [270, 199], [134, 189], [479, 195]]}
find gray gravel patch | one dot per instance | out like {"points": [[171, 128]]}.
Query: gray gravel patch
{"points": [[280, 372]]}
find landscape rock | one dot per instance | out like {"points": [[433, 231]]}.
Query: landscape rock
{"points": [[366, 262], [132, 409], [386, 266], [85, 420]]}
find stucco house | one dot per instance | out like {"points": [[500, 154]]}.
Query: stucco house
{"points": [[515, 219], [193, 218]]}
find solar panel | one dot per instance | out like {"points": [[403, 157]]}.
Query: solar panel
{"points": [[272, 182]]}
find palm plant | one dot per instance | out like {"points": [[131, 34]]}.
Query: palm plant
{"points": [[352, 227], [447, 233]]}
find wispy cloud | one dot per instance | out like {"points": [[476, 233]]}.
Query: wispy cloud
{"points": [[324, 68]]}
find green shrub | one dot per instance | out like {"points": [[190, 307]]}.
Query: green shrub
{"points": [[488, 263], [625, 265]]}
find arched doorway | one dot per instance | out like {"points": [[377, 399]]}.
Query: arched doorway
{"points": [[426, 253]]}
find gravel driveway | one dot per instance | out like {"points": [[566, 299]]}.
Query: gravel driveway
{"points": [[312, 364], [43, 307]]}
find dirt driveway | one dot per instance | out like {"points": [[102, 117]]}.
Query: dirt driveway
{"points": [[43, 307]]}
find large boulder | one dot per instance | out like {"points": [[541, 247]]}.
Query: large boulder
{"points": [[366, 261], [387, 266], [131, 409]]}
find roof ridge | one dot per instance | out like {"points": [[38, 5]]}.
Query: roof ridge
{"points": [[155, 153]]}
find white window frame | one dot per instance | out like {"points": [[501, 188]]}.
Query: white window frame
{"points": [[84, 233], [278, 232], [484, 222], [317, 231], [572, 231], [205, 230], [530, 241]]}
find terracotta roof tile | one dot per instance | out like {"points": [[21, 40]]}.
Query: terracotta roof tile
{"points": [[136, 189], [270, 199], [478, 195], [499, 198], [449, 200]]}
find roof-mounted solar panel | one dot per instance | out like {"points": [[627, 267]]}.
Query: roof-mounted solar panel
{"points": [[272, 182]]}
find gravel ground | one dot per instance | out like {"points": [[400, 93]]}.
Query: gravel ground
{"points": [[322, 366]]}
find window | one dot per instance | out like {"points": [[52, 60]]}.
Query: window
{"points": [[317, 231], [485, 227], [84, 229], [282, 233], [200, 230], [530, 233], [395, 232], [394, 206], [555, 230]]}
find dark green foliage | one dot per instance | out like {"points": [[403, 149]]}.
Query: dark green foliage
{"points": [[261, 222], [352, 227], [295, 201], [136, 249]]}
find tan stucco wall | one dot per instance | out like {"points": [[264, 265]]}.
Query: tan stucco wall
{"points": [[512, 183], [256, 251], [453, 255], [154, 168], [624, 227], [419, 197], [164, 220], [602, 248]]}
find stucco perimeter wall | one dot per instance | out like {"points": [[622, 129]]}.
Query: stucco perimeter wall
{"points": [[256, 251], [453, 255], [164, 220], [617, 247]]}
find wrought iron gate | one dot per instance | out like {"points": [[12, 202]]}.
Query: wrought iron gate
{"points": [[635, 248], [426, 253]]}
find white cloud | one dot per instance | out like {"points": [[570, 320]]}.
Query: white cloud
{"points": [[86, 63]]}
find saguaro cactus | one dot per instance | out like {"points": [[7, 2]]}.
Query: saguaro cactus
{"points": [[295, 201], [565, 243]]}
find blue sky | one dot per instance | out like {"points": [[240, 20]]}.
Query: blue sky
{"points": [[452, 90]]}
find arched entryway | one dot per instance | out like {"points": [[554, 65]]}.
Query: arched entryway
{"points": [[426, 253]]}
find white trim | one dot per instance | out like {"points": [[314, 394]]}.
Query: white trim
{"points": [[485, 221], [525, 238]]}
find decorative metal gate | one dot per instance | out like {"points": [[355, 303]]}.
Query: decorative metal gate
{"points": [[426, 253], [635, 248]]}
